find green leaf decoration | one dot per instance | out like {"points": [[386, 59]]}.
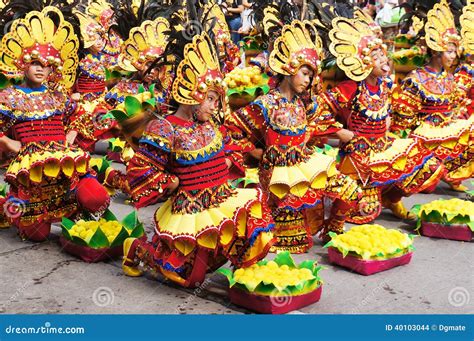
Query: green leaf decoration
{"points": [[120, 238], [109, 216], [132, 106], [108, 75], [67, 224], [284, 258], [138, 231], [98, 240], [130, 221], [79, 241], [151, 89], [3, 190], [104, 166], [150, 103], [471, 225], [229, 274], [119, 115], [141, 89], [416, 210]]}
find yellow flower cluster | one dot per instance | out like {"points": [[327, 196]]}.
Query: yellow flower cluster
{"points": [[141, 97], [271, 273], [369, 241], [452, 206], [244, 78], [86, 229], [409, 53]]}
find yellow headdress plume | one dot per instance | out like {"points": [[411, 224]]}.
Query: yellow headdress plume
{"points": [[440, 29], [198, 72], [467, 27], [298, 45], [145, 43], [352, 41], [37, 38]]}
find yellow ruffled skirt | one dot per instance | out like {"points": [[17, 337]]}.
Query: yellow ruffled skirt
{"points": [[241, 216], [38, 160]]}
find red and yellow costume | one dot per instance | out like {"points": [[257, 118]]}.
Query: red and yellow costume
{"points": [[372, 157], [205, 222], [295, 176], [464, 75], [426, 105], [47, 175]]}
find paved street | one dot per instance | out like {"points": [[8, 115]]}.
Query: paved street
{"points": [[40, 278]]}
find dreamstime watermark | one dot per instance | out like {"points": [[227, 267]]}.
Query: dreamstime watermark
{"points": [[459, 297], [369, 298], [14, 207], [103, 296], [193, 28], [196, 292], [46, 329], [281, 298], [21, 289]]}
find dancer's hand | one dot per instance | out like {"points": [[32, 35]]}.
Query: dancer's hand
{"points": [[71, 137], [228, 162], [257, 153], [172, 186], [345, 135], [14, 146]]}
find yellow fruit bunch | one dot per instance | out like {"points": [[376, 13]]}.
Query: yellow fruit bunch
{"points": [[244, 78], [452, 207], [372, 242], [86, 229], [271, 273]]}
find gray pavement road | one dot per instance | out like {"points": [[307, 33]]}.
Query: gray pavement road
{"points": [[40, 278]]}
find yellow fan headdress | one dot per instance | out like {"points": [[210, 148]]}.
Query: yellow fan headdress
{"points": [[37, 38], [198, 72], [91, 31], [298, 45], [352, 41], [215, 16], [467, 27], [440, 29], [101, 11], [359, 14], [145, 44]]}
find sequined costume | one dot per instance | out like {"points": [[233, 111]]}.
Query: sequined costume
{"points": [[205, 222], [426, 104], [47, 177], [373, 157], [295, 176]]}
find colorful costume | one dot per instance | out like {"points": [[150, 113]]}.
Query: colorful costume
{"points": [[47, 176], [295, 176], [205, 222], [373, 157], [425, 104], [464, 75]]}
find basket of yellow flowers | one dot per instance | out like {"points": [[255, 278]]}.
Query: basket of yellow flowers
{"points": [[448, 219], [275, 287], [94, 241], [244, 85], [368, 249]]}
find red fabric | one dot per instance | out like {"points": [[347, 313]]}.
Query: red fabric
{"points": [[89, 85], [452, 232], [36, 232], [51, 129], [91, 195], [366, 267]]}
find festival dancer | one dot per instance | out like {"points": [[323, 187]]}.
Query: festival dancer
{"points": [[48, 177], [425, 105], [378, 161], [274, 130], [205, 222]]}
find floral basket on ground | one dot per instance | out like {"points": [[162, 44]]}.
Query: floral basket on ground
{"points": [[275, 287], [244, 85], [448, 219], [368, 249], [94, 241]]}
